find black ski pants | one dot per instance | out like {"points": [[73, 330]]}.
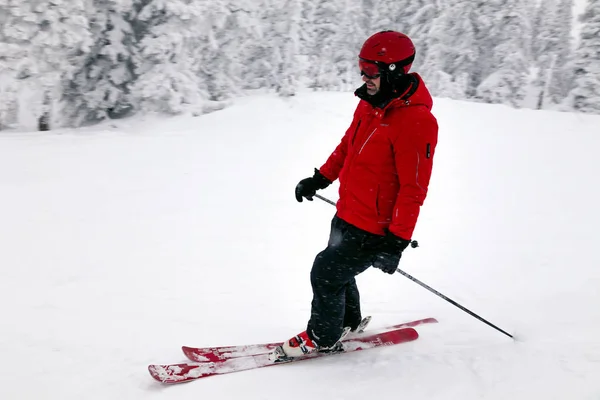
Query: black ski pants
{"points": [[336, 300]]}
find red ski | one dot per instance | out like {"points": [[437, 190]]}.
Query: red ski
{"points": [[222, 353], [179, 373]]}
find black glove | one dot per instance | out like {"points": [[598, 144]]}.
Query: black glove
{"points": [[390, 252], [308, 187]]}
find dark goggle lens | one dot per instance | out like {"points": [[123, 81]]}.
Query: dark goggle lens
{"points": [[369, 69]]}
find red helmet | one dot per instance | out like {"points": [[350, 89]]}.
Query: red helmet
{"points": [[393, 49]]}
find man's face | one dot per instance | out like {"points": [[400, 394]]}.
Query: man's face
{"points": [[371, 75], [372, 84]]}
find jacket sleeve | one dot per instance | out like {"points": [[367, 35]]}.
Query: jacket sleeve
{"points": [[413, 149], [332, 167]]}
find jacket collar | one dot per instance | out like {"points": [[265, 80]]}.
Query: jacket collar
{"points": [[412, 92]]}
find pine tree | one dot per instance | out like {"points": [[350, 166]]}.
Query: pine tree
{"points": [[167, 78], [543, 46], [13, 61], [452, 51], [552, 50], [57, 48], [543, 28], [322, 72], [259, 56], [346, 44], [217, 51], [100, 86], [585, 96], [483, 16], [53, 36], [538, 11], [416, 19], [561, 75], [385, 15], [368, 17], [287, 46], [105, 58], [509, 58]]}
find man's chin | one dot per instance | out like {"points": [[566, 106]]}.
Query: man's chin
{"points": [[372, 92]]}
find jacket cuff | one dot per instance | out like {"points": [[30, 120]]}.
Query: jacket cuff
{"points": [[320, 179]]}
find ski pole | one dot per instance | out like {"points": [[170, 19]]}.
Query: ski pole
{"points": [[454, 303], [325, 199], [415, 244]]}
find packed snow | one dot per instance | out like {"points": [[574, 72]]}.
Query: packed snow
{"points": [[122, 242]]}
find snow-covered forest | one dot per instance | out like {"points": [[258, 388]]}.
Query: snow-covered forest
{"points": [[75, 62]]}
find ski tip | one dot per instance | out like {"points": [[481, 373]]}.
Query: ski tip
{"points": [[157, 372], [172, 373], [410, 334], [192, 354]]}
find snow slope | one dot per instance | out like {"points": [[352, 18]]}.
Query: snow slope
{"points": [[120, 243]]}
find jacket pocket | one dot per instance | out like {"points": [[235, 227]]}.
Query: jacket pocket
{"points": [[384, 203]]}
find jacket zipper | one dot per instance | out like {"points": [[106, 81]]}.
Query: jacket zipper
{"points": [[355, 131]]}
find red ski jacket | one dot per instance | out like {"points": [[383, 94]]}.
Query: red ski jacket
{"points": [[384, 163]]}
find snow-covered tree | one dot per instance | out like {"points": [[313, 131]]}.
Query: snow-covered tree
{"points": [[105, 58], [509, 62], [561, 76], [225, 31], [352, 43], [257, 52], [367, 18], [60, 40], [585, 96], [552, 50], [13, 61], [484, 16], [286, 48], [8, 100], [100, 86], [52, 36], [346, 44], [322, 72], [543, 46], [416, 18], [166, 67], [385, 15], [543, 27], [452, 50]]}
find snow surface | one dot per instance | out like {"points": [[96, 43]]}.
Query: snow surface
{"points": [[120, 243]]}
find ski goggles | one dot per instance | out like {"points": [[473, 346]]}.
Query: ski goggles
{"points": [[369, 69]]}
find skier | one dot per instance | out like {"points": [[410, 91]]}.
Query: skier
{"points": [[384, 164]]}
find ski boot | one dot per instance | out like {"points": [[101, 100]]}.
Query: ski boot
{"points": [[361, 327], [301, 345]]}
